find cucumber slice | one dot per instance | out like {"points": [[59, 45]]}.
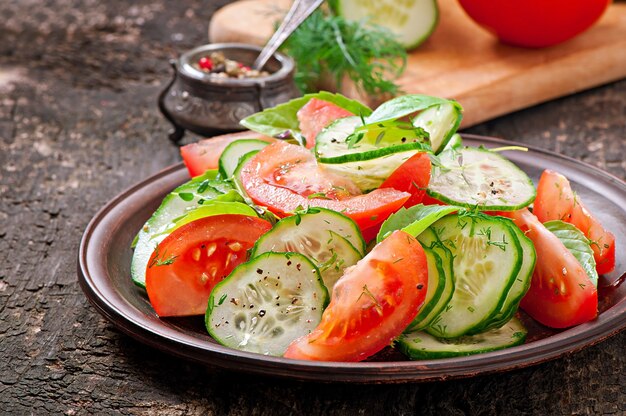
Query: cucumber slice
{"points": [[487, 259], [266, 303], [323, 235], [412, 22], [180, 201], [520, 285], [340, 143], [234, 151], [455, 142], [436, 285], [428, 235], [419, 345], [441, 122], [476, 177]]}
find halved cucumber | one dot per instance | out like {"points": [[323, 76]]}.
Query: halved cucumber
{"points": [[419, 345], [323, 235], [411, 21], [370, 174], [435, 288], [520, 284], [487, 258], [266, 303], [234, 151], [476, 177], [441, 122], [448, 274], [340, 142], [180, 201]]}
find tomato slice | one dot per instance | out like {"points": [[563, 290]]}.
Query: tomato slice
{"points": [[412, 176], [561, 294], [317, 114], [556, 201], [205, 154], [283, 177], [371, 304], [189, 262]]}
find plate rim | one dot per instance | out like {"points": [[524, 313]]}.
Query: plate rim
{"points": [[609, 323]]}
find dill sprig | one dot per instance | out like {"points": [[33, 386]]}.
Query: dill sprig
{"points": [[328, 45]]}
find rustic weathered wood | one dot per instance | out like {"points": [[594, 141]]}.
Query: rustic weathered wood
{"points": [[462, 61], [78, 124]]}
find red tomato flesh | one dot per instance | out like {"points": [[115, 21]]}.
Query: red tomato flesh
{"points": [[189, 262], [283, 177], [412, 176], [556, 201], [317, 114], [205, 154], [561, 294], [371, 304]]}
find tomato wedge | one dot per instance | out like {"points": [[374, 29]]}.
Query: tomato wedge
{"points": [[371, 304], [412, 176], [561, 294], [556, 201], [317, 114], [205, 154], [284, 177], [189, 262]]}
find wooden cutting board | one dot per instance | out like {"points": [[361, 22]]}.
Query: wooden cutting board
{"points": [[462, 61]]}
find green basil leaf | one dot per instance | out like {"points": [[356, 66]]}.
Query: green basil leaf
{"points": [[276, 120], [405, 105], [413, 220], [576, 242]]}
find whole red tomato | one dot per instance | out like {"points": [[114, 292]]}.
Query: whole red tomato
{"points": [[535, 23]]}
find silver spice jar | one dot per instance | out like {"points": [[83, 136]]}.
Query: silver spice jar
{"points": [[207, 105]]}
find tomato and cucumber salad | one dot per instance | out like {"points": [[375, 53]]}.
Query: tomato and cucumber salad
{"points": [[332, 231]]}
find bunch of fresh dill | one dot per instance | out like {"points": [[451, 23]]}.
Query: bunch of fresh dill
{"points": [[329, 45]]}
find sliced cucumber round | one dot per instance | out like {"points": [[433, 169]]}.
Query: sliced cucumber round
{"points": [[487, 259], [419, 345], [441, 122], [436, 285], [412, 22], [266, 303], [476, 177], [455, 142], [179, 202], [234, 151], [312, 234]]}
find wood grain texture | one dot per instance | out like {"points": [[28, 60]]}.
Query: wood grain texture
{"points": [[78, 124], [462, 61]]}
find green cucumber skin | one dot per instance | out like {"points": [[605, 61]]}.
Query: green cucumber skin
{"points": [[237, 149], [427, 308], [469, 345], [458, 111], [520, 285], [447, 316], [355, 156], [529, 186], [447, 264]]}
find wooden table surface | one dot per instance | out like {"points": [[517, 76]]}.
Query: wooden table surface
{"points": [[79, 123]]}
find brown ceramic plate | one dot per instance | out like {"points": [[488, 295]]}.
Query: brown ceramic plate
{"points": [[104, 274]]}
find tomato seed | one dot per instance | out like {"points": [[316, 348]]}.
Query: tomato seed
{"points": [[195, 254], [211, 249], [235, 246], [204, 278]]}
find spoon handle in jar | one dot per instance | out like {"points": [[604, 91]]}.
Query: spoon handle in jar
{"points": [[300, 10]]}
